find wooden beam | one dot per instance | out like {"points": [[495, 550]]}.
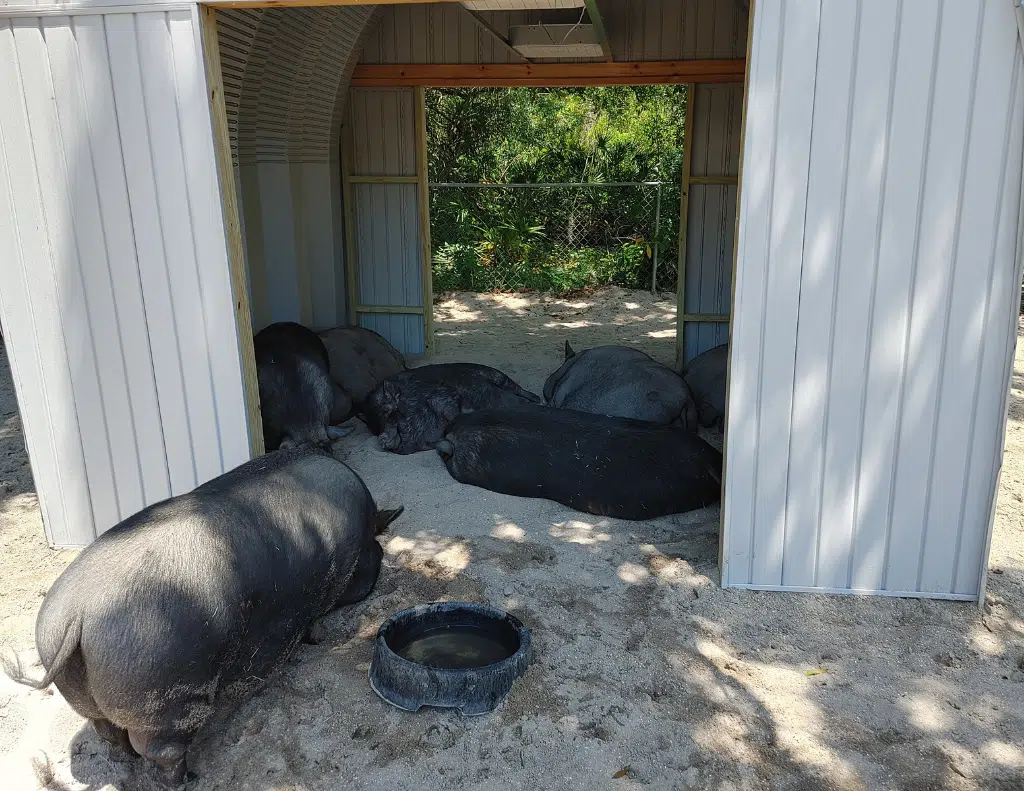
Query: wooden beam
{"points": [[715, 180], [684, 214], [548, 74], [348, 153], [490, 30], [602, 35], [405, 310], [232, 227], [426, 249], [383, 179], [312, 3]]}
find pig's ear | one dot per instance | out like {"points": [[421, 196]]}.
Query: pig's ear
{"points": [[391, 393], [568, 351]]}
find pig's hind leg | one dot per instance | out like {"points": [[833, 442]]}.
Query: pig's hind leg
{"points": [[166, 751], [113, 735], [364, 578]]}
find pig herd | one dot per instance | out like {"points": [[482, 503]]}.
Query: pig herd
{"points": [[189, 605]]}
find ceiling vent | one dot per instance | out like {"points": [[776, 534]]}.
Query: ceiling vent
{"points": [[555, 41]]}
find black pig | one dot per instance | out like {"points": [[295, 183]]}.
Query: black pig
{"points": [[410, 411], [359, 360], [195, 600], [622, 382], [607, 466], [705, 375], [297, 395]]}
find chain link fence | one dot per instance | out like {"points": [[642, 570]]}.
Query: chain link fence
{"points": [[554, 237]]}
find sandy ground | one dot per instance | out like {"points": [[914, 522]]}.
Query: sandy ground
{"points": [[647, 675]]}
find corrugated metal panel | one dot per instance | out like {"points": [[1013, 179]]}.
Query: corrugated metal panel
{"points": [[709, 255], [879, 225], [283, 74], [441, 33], [675, 29], [386, 216], [117, 303], [717, 124], [384, 132], [404, 332], [236, 31], [286, 74], [388, 241], [711, 217]]}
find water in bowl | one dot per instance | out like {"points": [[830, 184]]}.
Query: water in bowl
{"points": [[457, 647]]}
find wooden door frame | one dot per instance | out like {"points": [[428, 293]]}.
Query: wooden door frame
{"points": [[210, 45]]}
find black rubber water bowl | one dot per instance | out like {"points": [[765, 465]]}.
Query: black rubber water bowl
{"points": [[453, 655]]}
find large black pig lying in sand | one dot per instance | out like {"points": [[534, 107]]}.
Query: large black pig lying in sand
{"points": [[296, 392], [622, 382], [606, 466], [191, 603], [411, 410], [360, 359]]}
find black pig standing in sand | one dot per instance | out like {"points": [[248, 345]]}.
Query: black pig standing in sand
{"points": [[195, 600]]}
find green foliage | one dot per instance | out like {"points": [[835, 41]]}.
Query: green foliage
{"points": [[554, 239]]}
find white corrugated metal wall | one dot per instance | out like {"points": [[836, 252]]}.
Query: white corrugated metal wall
{"points": [[876, 295], [116, 300], [286, 74]]}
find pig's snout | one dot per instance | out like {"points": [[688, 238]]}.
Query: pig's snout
{"points": [[389, 439], [445, 449]]}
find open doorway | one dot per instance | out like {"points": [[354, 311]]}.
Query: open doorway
{"points": [[554, 218], [568, 211]]}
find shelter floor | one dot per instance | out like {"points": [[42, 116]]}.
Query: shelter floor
{"points": [[646, 673]]}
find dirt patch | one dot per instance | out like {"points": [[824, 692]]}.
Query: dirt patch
{"points": [[647, 675]]}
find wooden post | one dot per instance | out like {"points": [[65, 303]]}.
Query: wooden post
{"points": [[684, 209], [496, 75], [424, 202], [657, 238], [232, 227]]}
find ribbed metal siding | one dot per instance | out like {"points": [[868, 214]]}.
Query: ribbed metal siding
{"points": [[442, 33], [384, 131], [286, 74], [711, 216], [446, 33], [876, 299], [675, 29], [117, 304], [387, 216], [404, 332]]}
